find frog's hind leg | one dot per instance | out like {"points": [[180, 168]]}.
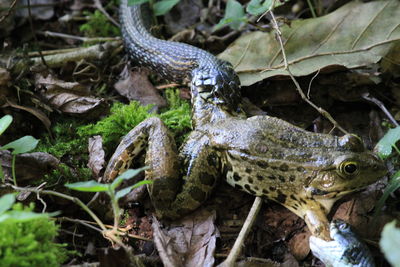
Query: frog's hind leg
{"points": [[161, 157], [201, 171]]}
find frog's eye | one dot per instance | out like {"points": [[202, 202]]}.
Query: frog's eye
{"points": [[349, 167]]}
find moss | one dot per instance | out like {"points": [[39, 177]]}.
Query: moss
{"points": [[30, 243], [98, 25], [124, 118], [64, 174], [66, 141]]}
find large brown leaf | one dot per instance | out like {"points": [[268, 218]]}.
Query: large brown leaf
{"points": [[357, 34]]}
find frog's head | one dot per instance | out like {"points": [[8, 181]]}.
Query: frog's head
{"points": [[217, 83], [350, 168]]}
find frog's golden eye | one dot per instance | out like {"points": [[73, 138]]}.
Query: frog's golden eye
{"points": [[349, 167]]}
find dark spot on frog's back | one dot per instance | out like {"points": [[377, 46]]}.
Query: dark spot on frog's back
{"points": [[198, 194], [248, 188], [284, 167], [281, 198], [248, 170], [292, 178], [207, 179], [281, 178], [300, 169], [262, 164], [236, 177], [260, 177]]}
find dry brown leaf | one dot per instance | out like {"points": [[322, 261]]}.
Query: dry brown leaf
{"points": [[35, 112], [327, 42], [189, 242], [299, 244], [69, 97], [5, 77], [28, 166], [96, 154], [135, 85]]}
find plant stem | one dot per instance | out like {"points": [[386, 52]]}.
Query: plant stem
{"points": [[310, 5], [13, 170]]}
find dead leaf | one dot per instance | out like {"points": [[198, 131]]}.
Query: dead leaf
{"points": [[189, 242], [35, 112], [135, 85], [319, 43], [96, 154], [299, 245], [29, 166], [69, 97], [391, 63]]}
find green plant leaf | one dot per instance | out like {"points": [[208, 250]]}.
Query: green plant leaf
{"points": [[126, 190], [128, 174], [89, 186], [388, 142], [22, 145], [390, 243], [19, 216], [5, 121], [136, 2], [162, 7], [393, 185], [258, 7], [6, 202], [234, 15]]}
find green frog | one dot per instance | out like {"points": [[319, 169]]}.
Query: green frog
{"points": [[265, 156], [262, 155]]}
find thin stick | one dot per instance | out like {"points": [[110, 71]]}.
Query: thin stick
{"points": [[237, 247], [381, 106], [9, 11], [322, 111]]}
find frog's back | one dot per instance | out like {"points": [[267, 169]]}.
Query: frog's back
{"points": [[262, 134]]}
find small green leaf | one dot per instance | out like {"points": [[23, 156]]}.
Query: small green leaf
{"points": [[19, 216], [162, 7], [234, 15], [89, 186], [128, 174], [388, 142], [22, 145], [126, 190], [258, 7], [6, 202], [390, 243], [136, 2], [5, 121]]}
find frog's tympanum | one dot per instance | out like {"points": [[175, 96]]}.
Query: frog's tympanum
{"points": [[262, 155]]}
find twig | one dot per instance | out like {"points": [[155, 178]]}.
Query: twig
{"points": [[9, 11], [94, 52], [237, 247], [98, 4], [79, 38], [322, 111], [381, 106]]}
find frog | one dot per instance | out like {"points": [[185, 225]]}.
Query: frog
{"points": [[262, 155]]}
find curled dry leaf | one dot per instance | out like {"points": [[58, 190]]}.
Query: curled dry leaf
{"points": [[69, 97], [29, 166], [190, 242], [319, 43], [135, 85], [96, 154]]}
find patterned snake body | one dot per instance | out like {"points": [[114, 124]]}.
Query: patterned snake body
{"points": [[178, 62]]}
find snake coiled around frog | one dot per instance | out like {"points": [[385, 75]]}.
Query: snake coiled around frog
{"points": [[262, 155]]}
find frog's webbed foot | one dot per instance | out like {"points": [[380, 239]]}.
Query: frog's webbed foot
{"points": [[345, 249], [161, 157], [218, 84]]}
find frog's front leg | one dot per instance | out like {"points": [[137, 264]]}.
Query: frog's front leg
{"points": [[313, 213]]}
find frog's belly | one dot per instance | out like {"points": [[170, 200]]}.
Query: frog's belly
{"points": [[260, 176]]}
